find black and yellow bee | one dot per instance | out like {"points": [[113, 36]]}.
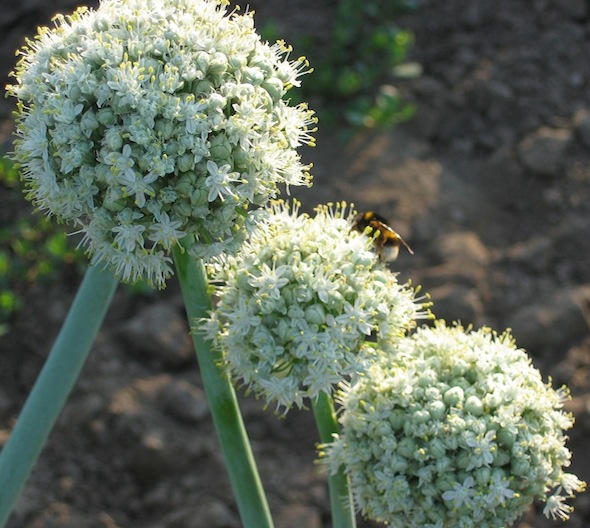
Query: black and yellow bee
{"points": [[387, 241]]}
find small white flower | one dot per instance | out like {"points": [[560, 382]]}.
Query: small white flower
{"points": [[67, 112], [244, 319], [122, 163], [462, 493], [571, 484], [136, 185], [483, 448], [219, 181], [356, 317], [268, 282], [556, 508], [499, 490], [166, 232], [129, 235]]}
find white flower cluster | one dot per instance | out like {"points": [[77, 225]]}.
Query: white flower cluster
{"points": [[454, 428], [304, 305], [150, 121]]}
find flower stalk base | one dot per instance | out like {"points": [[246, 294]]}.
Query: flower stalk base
{"points": [[340, 496], [223, 404], [54, 384]]}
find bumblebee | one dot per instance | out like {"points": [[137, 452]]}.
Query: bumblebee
{"points": [[387, 242]]}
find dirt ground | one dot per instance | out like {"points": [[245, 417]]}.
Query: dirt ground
{"points": [[489, 184]]}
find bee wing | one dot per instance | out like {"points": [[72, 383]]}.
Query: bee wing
{"points": [[395, 235], [406, 245]]}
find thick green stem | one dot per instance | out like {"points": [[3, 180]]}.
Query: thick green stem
{"points": [[56, 380], [243, 474], [340, 496]]}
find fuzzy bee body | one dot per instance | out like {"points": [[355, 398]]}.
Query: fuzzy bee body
{"points": [[387, 242]]}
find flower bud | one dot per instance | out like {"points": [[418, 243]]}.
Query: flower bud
{"points": [[120, 105], [263, 65], [75, 93], [183, 208], [164, 128], [454, 396], [444, 484], [420, 416], [315, 314], [253, 76], [397, 418], [203, 88], [520, 467], [89, 122], [220, 148], [474, 405], [199, 198], [115, 206], [285, 331], [303, 294], [217, 101], [437, 448], [505, 437], [406, 447], [483, 476], [185, 163], [437, 410], [106, 117], [218, 64], [275, 88], [237, 62], [113, 139]]}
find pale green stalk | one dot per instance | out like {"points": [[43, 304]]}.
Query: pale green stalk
{"points": [[223, 404], [340, 497], [56, 380]]}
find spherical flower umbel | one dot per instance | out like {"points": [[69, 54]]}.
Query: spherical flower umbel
{"points": [[453, 429], [150, 121], [303, 305]]}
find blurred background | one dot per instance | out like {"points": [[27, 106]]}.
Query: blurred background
{"points": [[466, 123]]}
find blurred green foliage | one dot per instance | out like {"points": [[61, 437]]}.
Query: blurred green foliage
{"points": [[356, 63], [32, 247]]}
